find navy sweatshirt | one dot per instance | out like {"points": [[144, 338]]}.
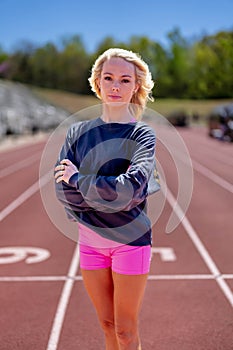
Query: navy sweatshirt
{"points": [[116, 172]]}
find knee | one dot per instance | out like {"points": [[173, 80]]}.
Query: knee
{"points": [[107, 326], [126, 335]]}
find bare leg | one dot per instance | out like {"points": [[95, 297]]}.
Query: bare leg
{"points": [[99, 286], [128, 295]]}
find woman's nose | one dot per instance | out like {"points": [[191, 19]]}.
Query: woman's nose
{"points": [[115, 87]]}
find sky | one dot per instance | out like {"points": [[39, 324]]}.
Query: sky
{"points": [[42, 21]]}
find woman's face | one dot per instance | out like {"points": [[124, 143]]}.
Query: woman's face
{"points": [[118, 81]]}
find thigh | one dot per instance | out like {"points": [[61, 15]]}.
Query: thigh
{"points": [[99, 286], [128, 295]]}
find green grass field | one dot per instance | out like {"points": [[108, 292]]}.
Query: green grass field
{"points": [[74, 103]]}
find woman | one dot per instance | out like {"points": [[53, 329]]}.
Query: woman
{"points": [[105, 171]]}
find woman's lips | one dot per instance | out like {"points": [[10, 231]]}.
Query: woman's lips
{"points": [[114, 97]]}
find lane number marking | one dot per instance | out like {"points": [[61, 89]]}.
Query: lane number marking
{"points": [[31, 255], [166, 253]]}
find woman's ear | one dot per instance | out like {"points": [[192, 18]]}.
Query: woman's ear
{"points": [[98, 83], [137, 86]]}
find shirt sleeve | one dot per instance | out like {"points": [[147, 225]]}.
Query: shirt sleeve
{"points": [[127, 190], [67, 194]]}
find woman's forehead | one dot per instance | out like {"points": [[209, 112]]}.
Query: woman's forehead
{"points": [[118, 65]]}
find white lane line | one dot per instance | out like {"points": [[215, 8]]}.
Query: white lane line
{"points": [[226, 289], [33, 278], [181, 277], [200, 247], [25, 195], [207, 172], [19, 165], [63, 302], [79, 278], [212, 176], [220, 158], [216, 154]]}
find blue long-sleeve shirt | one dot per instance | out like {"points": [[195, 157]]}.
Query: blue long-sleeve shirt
{"points": [[116, 163]]}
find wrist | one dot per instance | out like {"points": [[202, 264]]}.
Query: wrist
{"points": [[73, 180]]}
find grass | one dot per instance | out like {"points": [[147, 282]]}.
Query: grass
{"points": [[74, 103], [190, 107], [70, 101]]}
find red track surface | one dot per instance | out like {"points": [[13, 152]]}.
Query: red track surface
{"points": [[189, 299]]}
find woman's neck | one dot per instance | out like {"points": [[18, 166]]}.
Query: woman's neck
{"points": [[116, 113]]}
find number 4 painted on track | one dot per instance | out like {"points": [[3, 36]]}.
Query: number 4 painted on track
{"points": [[166, 254], [9, 255]]}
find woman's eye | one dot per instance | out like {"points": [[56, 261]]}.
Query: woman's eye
{"points": [[107, 78], [125, 81]]}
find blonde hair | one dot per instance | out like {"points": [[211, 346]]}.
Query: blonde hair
{"points": [[143, 78]]}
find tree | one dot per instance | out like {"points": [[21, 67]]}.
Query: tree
{"points": [[20, 69], [213, 67], [202, 69], [44, 66], [178, 65], [74, 66], [4, 64]]}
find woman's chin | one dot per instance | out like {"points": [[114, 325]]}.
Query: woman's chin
{"points": [[115, 104]]}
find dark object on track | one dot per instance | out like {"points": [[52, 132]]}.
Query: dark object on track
{"points": [[179, 118], [220, 123]]}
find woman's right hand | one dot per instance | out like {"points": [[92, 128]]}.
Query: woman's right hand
{"points": [[64, 171]]}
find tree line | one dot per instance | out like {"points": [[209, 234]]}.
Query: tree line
{"points": [[200, 69]]}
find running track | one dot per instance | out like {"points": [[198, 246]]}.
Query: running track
{"points": [[189, 297]]}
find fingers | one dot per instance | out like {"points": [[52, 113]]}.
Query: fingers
{"points": [[59, 171], [59, 167], [68, 165], [66, 162], [64, 170], [59, 176]]}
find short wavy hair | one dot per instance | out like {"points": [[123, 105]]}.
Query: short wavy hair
{"points": [[143, 78]]}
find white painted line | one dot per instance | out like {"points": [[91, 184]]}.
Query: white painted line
{"points": [[19, 165], [220, 157], [207, 173], [79, 278], [226, 289], [25, 195], [181, 277], [216, 154], [212, 176], [200, 247], [63, 302], [192, 234], [33, 278]]}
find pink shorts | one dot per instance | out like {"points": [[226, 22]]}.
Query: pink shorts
{"points": [[125, 259]]}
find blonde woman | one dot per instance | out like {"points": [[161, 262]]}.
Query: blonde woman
{"points": [[104, 174]]}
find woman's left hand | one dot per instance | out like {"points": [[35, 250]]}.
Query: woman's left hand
{"points": [[64, 171]]}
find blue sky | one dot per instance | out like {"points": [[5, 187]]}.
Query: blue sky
{"points": [[41, 21]]}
